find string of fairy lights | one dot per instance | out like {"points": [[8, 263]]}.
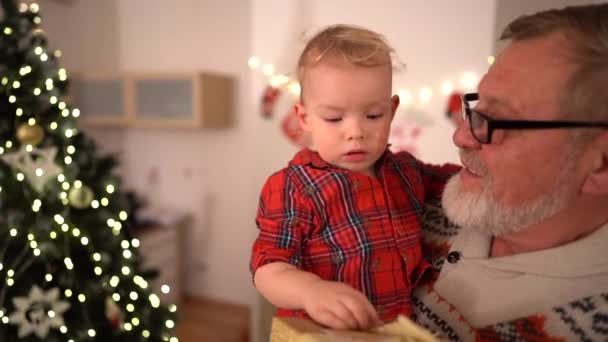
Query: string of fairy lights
{"points": [[61, 226], [468, 80]]}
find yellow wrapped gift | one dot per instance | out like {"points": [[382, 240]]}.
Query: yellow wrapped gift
{"points": [[291, 329]]}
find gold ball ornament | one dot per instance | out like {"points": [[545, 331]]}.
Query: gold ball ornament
{"points": [[80, 198], [30, 134]]}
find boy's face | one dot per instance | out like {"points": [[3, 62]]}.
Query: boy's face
{"points": [[348, 110]]}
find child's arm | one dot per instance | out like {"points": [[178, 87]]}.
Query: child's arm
{"points": [[334, 304]]}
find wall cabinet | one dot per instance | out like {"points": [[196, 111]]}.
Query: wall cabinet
{"points": [[159, 100]]}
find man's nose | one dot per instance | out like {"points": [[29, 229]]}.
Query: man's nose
{"points": [[463, 137]]}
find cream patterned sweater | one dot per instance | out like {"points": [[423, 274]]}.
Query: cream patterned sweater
{"points": [[559, 294]]}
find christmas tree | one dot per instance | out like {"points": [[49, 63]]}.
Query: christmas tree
{"points": [[69, 267]]}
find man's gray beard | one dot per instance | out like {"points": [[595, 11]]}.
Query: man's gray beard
{"points": [[483, 212]]}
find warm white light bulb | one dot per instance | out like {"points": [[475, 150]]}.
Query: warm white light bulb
{"points": [[447, 87], [268, 69], [294, 88], [253, 62], [469, 80], [114, 281], [405, 96], [425, 94], [154, 300]]}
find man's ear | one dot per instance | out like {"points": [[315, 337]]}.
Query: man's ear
{"points": [[596, 182], [302, 116]]}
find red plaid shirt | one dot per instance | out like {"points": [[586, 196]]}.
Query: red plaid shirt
{"points": [[348, 227]]}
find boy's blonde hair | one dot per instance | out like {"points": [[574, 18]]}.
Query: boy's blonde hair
{"points": [[355, 45]]}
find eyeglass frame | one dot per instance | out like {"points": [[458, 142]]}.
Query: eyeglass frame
{"points": [[493, 124]]}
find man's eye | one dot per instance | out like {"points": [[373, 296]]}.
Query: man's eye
{"points": [[374, 116]]}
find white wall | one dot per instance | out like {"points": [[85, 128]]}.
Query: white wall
{"points": [[203, 172]]}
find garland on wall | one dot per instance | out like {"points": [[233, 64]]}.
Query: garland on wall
{"points": [[406, 129]]}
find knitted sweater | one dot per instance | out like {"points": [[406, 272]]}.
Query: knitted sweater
{"points": [[558, 294]]}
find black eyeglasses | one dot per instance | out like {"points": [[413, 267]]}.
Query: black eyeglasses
{"points": [[482, 126]]}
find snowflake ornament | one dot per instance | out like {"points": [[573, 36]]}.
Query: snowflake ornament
{"points": [[39, 312], [38, 165]]}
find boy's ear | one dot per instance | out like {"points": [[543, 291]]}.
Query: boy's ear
{"points": [[596, 182], [394, 104], [302, 116]]}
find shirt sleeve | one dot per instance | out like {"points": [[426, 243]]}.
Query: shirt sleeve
{"points": [[284, 219], [434, 178]]}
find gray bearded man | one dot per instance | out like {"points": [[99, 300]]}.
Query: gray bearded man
{"points": [[527, 256]]}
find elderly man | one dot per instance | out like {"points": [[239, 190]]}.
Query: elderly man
{"points": [[530, 259]]}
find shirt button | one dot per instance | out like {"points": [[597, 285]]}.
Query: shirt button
{"points": [[355, 184], [453, 257], [337, 259], [310, 189]]}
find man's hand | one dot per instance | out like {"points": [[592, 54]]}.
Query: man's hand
{"points": [[339, 306]]}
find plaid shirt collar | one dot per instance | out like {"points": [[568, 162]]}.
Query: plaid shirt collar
{"points": [[309, 157]]}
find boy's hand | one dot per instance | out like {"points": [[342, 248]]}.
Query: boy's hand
{"points": [[339, 306]]}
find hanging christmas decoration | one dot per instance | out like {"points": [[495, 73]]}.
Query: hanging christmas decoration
{"points": [[38, 166], [81, 197], [293, 131], [38, 312], [269, 99], [404, 136], [453, 108], [30, 134]]}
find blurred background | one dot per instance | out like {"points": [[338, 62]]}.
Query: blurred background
{"points": [[205, 179]]}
